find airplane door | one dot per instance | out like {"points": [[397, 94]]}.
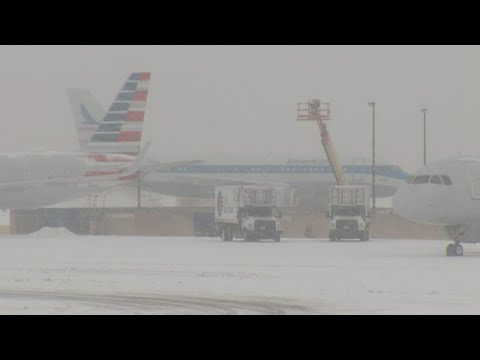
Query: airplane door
{"points": [[473, 171]]}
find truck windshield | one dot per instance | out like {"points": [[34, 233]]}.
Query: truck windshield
{"points": [[261, 211], [348, 211]]}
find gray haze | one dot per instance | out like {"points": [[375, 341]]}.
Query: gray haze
{"points": [[231, 103]]}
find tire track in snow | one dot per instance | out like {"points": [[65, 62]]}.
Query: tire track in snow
{"points": [[161, 304]]}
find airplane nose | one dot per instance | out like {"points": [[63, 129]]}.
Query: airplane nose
{"points": [[407, 204], [420, 203]]}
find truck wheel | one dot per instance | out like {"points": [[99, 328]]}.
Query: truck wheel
{"points": [[332, 237], [277, 238], [247, 236], [364, 237], [227, 234]]}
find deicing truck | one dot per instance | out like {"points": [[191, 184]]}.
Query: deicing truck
{"points": [[348, 212], [248, 212]]}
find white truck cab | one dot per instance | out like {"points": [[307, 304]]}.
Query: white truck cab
{"points": [[247, 212], [349, 208]]}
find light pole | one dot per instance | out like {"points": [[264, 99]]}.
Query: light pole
{"points": [[424, 111], [372, 105], [139, 194]]}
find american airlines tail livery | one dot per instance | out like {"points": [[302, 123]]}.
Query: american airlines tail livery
{"points": [[118, 131], [113, 137], [110, 157]]}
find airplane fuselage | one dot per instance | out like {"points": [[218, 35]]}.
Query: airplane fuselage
{"points": [[32, 180], [452, 201]]}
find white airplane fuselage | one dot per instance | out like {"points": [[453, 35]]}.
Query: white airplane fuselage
{"points": [[455, 204], [33, 180]]}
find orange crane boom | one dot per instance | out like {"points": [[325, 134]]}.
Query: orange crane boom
{"points": [[331, 153], [315, 110]]}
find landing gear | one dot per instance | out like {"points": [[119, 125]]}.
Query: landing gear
{"points": [[454, 250]]}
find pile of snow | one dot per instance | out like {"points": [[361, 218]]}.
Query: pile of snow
{"points": [[49, 231]]}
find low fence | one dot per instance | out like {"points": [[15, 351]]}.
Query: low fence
{"points": [[179, 221]]}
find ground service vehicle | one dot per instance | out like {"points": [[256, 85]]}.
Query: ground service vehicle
{"points": [[348, 212], [247, 212]]}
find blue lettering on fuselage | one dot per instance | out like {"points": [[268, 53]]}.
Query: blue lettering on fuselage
{"points": [[390, 171]]}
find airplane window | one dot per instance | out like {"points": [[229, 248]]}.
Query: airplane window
{"points": [[436, 180], [422, 179], [446, 180]]}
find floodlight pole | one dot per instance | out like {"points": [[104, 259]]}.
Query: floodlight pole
{"points": [[372, 105]]}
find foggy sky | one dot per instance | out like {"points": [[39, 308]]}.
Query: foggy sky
{"points": [[231, 103]]}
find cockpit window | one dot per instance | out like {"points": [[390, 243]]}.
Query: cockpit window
{"points": [[422, 179], [446, 180], [436, 180]]}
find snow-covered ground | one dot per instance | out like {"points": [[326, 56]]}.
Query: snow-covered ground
{"points": [[52, 232], [145, 275]]}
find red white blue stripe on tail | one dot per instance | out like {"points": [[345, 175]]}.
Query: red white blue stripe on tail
{"points": [[120, 131]]}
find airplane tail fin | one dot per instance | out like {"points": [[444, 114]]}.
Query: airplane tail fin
{"points": [[87, 113], [120, 130]]}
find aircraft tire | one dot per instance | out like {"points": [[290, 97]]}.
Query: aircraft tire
{"points": [[458, 250], [454, 250]]}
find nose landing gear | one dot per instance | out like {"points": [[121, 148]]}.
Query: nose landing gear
{"points": [[456, 232], [454, 250]]}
